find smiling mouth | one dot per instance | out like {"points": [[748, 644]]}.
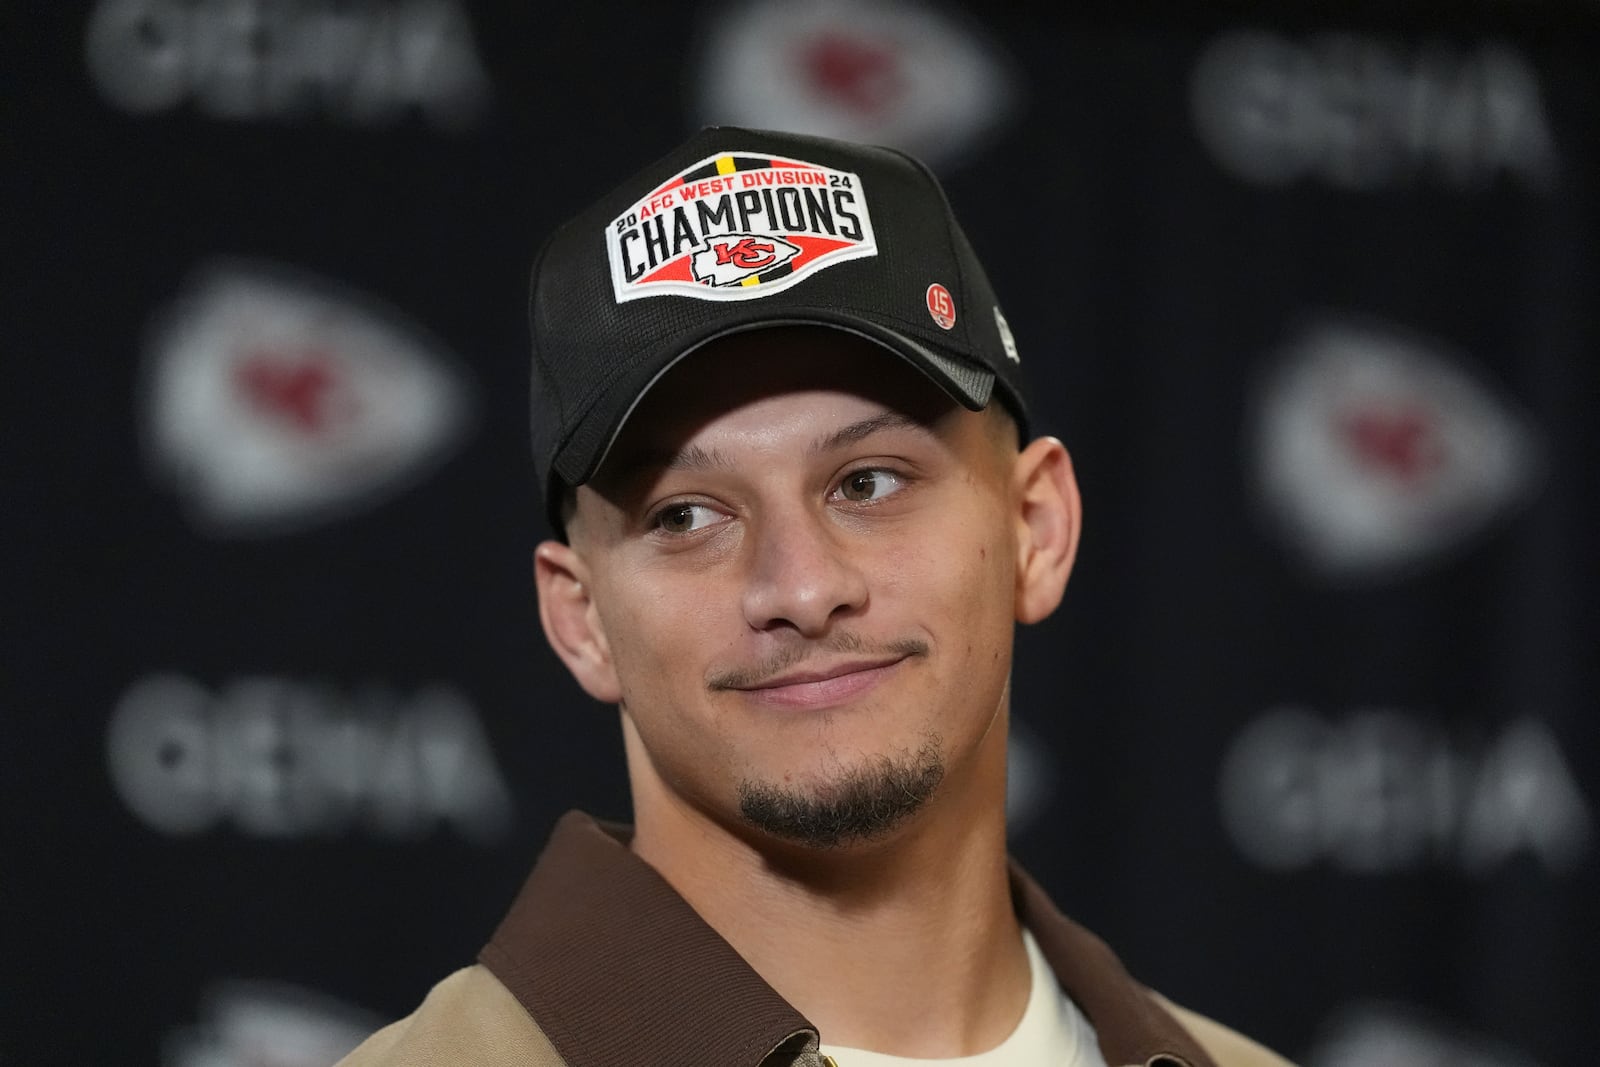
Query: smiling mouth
{"points": [[821, 687], [839, 655], [822, 674]]}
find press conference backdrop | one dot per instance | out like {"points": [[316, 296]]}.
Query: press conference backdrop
{"points": [[1312, 301]]}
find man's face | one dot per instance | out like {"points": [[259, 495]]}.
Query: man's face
{"points": [[800, 561]]}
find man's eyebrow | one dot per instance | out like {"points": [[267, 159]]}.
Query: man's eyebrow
{"points": [[692, 457], [695, 458], [860, 431]]}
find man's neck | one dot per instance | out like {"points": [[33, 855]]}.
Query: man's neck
{"points": [[908, 946]]}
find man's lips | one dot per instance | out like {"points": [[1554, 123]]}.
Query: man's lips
{"points": [[821, 686]]}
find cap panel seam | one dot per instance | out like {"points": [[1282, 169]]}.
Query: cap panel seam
{"points": [[545, 374], [949, 231]]}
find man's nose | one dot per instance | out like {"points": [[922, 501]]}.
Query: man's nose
{"points": [[801, 572]]}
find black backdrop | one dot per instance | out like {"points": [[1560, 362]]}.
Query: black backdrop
{"points": [[1312, 302]]}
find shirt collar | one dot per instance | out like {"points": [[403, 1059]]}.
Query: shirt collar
{"points": [[1131, 1026], [611, 961]]}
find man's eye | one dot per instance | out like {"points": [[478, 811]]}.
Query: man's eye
{"points": [[868, 484], [684, 518]]}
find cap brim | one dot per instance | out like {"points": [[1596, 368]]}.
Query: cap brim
{"points": [[968, 384]]}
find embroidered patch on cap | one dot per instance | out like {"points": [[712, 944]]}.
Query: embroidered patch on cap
{"points": [[738, 227], [942, 306]]}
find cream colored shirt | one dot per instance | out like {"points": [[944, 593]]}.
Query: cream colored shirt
{"points": [[1052, 1033]]}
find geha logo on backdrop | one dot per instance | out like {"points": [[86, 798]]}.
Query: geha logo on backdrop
{"points": [[1388, 1034], [274, 401], [1376, 453], [274, 757], [894, 73], [260, 1023], [1367, 112], [362, 63], [1385, 790]]}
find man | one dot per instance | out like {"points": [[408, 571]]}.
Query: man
{"points": [[779, 418]]}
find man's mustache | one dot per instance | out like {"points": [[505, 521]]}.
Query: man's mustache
{"points": [[795, 654]]}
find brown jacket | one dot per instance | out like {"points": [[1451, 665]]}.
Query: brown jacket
{"points": [[599, 963]]}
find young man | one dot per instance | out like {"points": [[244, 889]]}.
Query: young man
{"points": [[779, 418]]}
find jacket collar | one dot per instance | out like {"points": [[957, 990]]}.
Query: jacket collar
{"points": [[610, 960]]}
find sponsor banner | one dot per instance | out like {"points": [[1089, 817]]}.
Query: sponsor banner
{"points": [[250, 60], [1377, 453], [1366, 112], [893, 73], [738, 226], [275, 402], [1383, 791], [273, 757], [258, 1023], [1384, 1034]]}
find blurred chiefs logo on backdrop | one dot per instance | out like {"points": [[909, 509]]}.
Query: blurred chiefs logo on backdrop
{"points": [[364, 63], [274, 403], [893, 72], [1375, 451]]}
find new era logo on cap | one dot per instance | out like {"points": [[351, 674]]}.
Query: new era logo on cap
{"points": [[738, 226]]}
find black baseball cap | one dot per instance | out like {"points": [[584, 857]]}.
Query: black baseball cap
{"points": [[738, 230]]}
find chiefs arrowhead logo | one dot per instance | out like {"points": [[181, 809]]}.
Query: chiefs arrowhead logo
{"points": [[274, 403], [738, 227], [1376, 450], [894, 72], [731, 259]]}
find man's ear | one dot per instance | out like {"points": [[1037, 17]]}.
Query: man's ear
{"points": [[571, 623], [1048, 520]]}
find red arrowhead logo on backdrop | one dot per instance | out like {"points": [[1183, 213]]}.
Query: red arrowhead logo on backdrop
{"points": [[898, 73], [275, 401], [860, 74], [1376, 450], [1401, 442], [307, 390]]}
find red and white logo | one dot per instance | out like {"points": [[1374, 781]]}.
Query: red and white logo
{"points": [[274, 403], [1377, 451], [892, 72], [738, 226], [730, 259], [941, 306]]}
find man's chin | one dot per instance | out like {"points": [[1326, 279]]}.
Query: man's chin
{"points": [[860, 805]]}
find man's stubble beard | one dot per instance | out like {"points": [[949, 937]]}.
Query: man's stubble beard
{"points": [[863, 804]]}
